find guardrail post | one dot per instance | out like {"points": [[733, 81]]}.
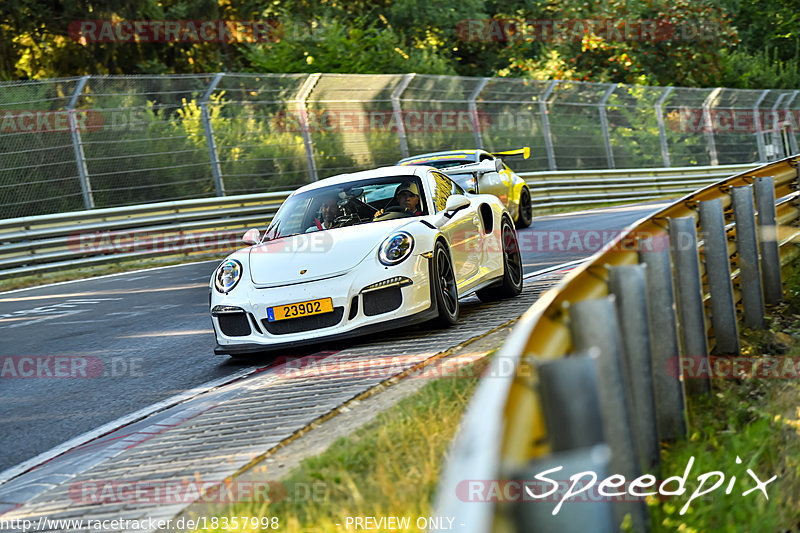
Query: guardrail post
{"points": [[572, 420], [473, 111], [209, 133], [604, 124], [762, 152], [718, 273], [662, 131], [747, 253], [628, 286], [594, 324], [709, 126], [548, 138], [77, 145], [691, 318], [664, 347], [577, 515], [768, 240], [301, 101], [398, 113]]}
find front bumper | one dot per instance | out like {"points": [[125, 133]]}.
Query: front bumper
{"points": [[243, 326]]}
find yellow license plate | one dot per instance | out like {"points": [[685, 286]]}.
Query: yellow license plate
{"points": [[311, 307]]}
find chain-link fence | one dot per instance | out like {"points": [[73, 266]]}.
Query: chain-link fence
{"points": [[103, 141]]}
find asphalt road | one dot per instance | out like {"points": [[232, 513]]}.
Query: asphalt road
{"points": [[142, 337]]}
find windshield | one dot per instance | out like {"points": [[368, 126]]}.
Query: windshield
{"points": [[348, 204]]}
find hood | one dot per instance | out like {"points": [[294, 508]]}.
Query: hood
{"points": [[322, 254]]}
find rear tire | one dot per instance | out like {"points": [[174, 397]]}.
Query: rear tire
{"points": [[444, 287], [525, 215], [511, 284]]}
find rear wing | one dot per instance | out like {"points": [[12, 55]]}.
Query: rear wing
{"points": [[488, 165], [524, 152]]}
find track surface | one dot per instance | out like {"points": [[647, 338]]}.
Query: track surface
{"points": [[148, 334]]}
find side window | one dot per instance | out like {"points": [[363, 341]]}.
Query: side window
{"points": [[443, 188]]}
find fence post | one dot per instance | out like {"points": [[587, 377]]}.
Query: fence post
{"points": [[209, 133], [747, 251], [768, 239], [548, 139], [604, 124], [473, 111], [709, 125], [398, 113], [77, 145], [762, 152], [718, 273], [301, 100], [776, 134], [691, 318], [593, 323], [662, 131], [792, 140], [667, 389]]}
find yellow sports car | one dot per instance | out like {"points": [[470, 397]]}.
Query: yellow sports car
{"points": [[505, 184]]}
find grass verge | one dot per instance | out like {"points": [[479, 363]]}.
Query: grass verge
{"points": [[389, 467], [756, 420]]}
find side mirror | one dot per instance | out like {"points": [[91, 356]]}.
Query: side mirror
{"points": [[489, 165], [455, 203], [251, 236]]}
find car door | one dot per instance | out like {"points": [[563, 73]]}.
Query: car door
{"points": [[463, 231]]}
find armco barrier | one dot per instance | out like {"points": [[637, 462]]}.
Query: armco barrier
{"points": [[71, 240], [582, 353], [68, 240]]}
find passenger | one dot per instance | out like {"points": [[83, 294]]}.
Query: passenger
{"points": [[407, 196]]}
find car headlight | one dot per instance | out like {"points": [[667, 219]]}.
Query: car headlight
{"points": [[227, 276], [396, 248]]}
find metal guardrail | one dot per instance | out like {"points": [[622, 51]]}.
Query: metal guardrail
{"points": [[82, 238], [589, 187], [590, 373], [69, 240]]}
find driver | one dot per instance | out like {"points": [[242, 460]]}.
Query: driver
{"points": [[407, 195], [328, 213]]}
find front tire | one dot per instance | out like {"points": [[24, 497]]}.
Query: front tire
{"points": [[525, 214], [511, 284], [444, 286]]}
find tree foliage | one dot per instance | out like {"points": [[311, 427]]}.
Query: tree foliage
{"points": [[735, 43]]}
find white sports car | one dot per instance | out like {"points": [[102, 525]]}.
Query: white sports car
{"points": [[364, 252]]}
